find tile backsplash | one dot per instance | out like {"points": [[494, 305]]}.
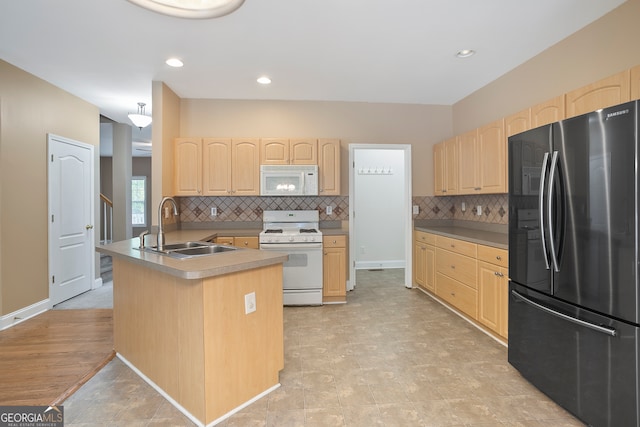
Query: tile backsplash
{"points": [[494, 208], [249, 209]]}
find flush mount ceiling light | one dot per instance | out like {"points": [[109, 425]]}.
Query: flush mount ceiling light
{"points": [[193, 9], [465, 53], [264, 80], [174, 62], [140, 119]]}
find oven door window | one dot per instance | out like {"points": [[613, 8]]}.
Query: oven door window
{"points": [[297, 260]]}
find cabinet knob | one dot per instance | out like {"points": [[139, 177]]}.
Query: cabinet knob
{"points": [[453, 267], [498, 257]]}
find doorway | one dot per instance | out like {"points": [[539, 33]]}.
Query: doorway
{"points": [[70, 218], [380, 209]]}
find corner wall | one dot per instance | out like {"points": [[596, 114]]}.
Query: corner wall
{"points": [[30, 109]]}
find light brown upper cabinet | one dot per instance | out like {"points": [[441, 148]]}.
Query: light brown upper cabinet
{"points": [[547, 112], [603, 93], [518, 122], [468, 163], [187, 167], [216, 167], [445, 168], [482, 156], [492, 157], [635, 82], [329, 167], [282, 151]]}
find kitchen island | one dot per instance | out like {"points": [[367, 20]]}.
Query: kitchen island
{"points": [[185, 326]]}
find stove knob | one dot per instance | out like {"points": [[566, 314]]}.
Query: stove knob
{"points": [[291, 238], [312, 238], [304, 239]]}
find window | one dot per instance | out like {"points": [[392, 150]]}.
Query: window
{"points": [[139, 201]]}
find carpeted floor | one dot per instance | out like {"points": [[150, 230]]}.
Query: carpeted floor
{"points": [[43, 360]]}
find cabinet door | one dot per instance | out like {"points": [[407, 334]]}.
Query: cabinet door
{"points": [[635, 83], [430, 268], [303, 151], [517, 123], [419, 263], [334, 272], [245, 167], [489, 296], [547, 112], [216, 166], [503, 288], [187, 167], [609, 91], [329, 167], [451, 166], [468, 182], [274, 151], [439, 186], [492, 158]]}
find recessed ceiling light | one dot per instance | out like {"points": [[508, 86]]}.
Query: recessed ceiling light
{"points": [[264, 80], [174, 62], [465, 53], [195, 9]]}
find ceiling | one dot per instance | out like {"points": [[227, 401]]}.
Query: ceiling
{"points": [[401, 51]]}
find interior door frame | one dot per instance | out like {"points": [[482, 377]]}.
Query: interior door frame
{"points": [[51, 138], [407, 197]]}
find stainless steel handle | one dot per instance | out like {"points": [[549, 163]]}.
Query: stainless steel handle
{"points": [[543, 175], [604, 329], [554, 166]]}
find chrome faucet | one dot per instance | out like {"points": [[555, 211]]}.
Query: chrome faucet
{"points": [[160, 243]]}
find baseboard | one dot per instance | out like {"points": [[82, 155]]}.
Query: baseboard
{"points": [[364, 265], [97, 283], [23, 314]]}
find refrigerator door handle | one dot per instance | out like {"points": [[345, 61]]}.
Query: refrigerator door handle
{"points": [[543, 175], [554, 167], [603, 329]]}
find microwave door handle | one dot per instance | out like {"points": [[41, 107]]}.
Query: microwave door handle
{"points": [[554, 167], [543, 175]]}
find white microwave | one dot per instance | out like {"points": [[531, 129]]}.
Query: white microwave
{"points": [[289, 180]]}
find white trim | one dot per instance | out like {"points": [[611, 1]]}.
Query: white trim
{"points": [[18, 316], [365, 265], [408, 226], [97, 283], [182, 409]]}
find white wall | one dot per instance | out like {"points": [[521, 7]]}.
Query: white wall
{"points": [[379, 208]]}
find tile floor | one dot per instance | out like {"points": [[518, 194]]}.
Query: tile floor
{"points": [[390, 357]]}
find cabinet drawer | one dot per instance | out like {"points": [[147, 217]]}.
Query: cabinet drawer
{"points": [[493, 255], [428, 238], [246, 242], [222, 240], [455, 293], [455, 245], [334, 241], [459, 267]]}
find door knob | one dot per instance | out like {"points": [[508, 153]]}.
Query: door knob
{"points": [[88, 227]]}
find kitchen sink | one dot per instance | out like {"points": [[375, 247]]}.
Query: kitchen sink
{"points": [[190, 249]]}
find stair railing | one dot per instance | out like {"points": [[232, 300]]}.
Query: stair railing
{"points": [[106, 231]]}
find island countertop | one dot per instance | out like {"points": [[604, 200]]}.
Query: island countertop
{"points": [[196, 267]]}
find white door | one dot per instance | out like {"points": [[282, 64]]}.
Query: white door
{"points": [[71, 237]]}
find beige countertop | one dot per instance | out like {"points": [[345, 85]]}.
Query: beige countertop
{"points": [[483, 237], [192, 268]]}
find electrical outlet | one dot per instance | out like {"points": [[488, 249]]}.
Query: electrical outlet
{"points": [[250, 303], [214, 211], [329, 210], [479, 210], [463, 207], [416, 209], [167, 213]]}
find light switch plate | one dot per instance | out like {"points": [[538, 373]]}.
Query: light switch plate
{"points": [[250, 303], [416, 209], [329, 210], [214, 211]]}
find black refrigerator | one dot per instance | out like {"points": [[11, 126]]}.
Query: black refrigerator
{"points": [[573, 263]]}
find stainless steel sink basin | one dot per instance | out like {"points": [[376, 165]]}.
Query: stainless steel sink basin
{"points": [[190, 249]]}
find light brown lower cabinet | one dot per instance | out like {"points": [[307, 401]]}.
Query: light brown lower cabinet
{"points": [[469, 277], [240, 242], [334, 269]]}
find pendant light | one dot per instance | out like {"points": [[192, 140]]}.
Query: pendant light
{"points": [[140, 119], [194, 9]]}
